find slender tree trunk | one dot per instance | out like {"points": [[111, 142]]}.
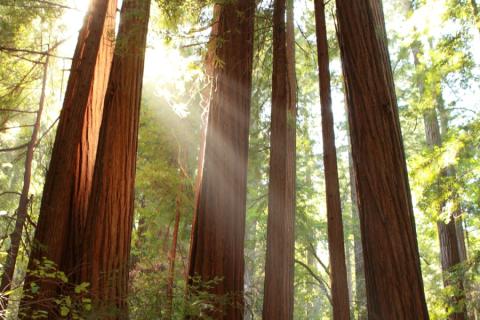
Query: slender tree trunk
{"points": [[339, 285], [59, 231], [172, 255], [22, 209], [392, 267], [449, 243], [279, 265], [109, 221], [360, 293], [219, 220]]}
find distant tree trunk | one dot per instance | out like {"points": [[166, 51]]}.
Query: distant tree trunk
{"points": [[279, 264], [392, 267], [339, 285], [173, 248], [59, 231], [109, 221], [219, 219], [447, 232], [22, 210], [360, 293]]}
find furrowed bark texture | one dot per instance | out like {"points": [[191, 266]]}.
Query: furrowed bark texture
{"points": [[110, 215], [279, 265], [219, 219], [60, 226], [338, 274], [392, 268], [22, 210]]}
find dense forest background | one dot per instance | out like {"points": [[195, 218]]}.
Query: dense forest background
{"points": [[434, 50]]}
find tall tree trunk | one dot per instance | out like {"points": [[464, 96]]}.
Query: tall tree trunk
{"points": [[172, 255], [219, 219], [392, 267], [60, 226], [360, 293], [449, 243], [339, 285], [447, 233], [109, 221], [279, 264], [22, 209]]}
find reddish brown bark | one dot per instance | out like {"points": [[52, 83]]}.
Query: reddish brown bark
{"points": [[279, 265], [68, 183], [109, 221], [22, 210], [392, 268], [219, 219], [338, 274]]}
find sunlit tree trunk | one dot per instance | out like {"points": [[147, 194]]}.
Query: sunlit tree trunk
{"points": [[219, 220], [279, 264], [339, 284], [392, 267], [22, 209], [60, 226], [109, 221]]}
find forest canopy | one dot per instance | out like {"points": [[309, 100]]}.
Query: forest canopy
{"points": [[240, 159]]}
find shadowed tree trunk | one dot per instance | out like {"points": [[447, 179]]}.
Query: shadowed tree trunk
{"points": [[392, 267], [109, 221], [59, 231], [279, 264], [22, 209], [219, 219], [338, 274]]}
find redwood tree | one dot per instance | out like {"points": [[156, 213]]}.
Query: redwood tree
{"points": [[338, 274], [106, 248], [392, 268], [219, 219], [59, 231], [279, 265]]}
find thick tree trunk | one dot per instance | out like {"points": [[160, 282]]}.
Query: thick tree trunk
{"points": [[279, 265], [219, 219], [392, 267], [59, 231], [22, 210], [339, 285], [109, 221]]}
